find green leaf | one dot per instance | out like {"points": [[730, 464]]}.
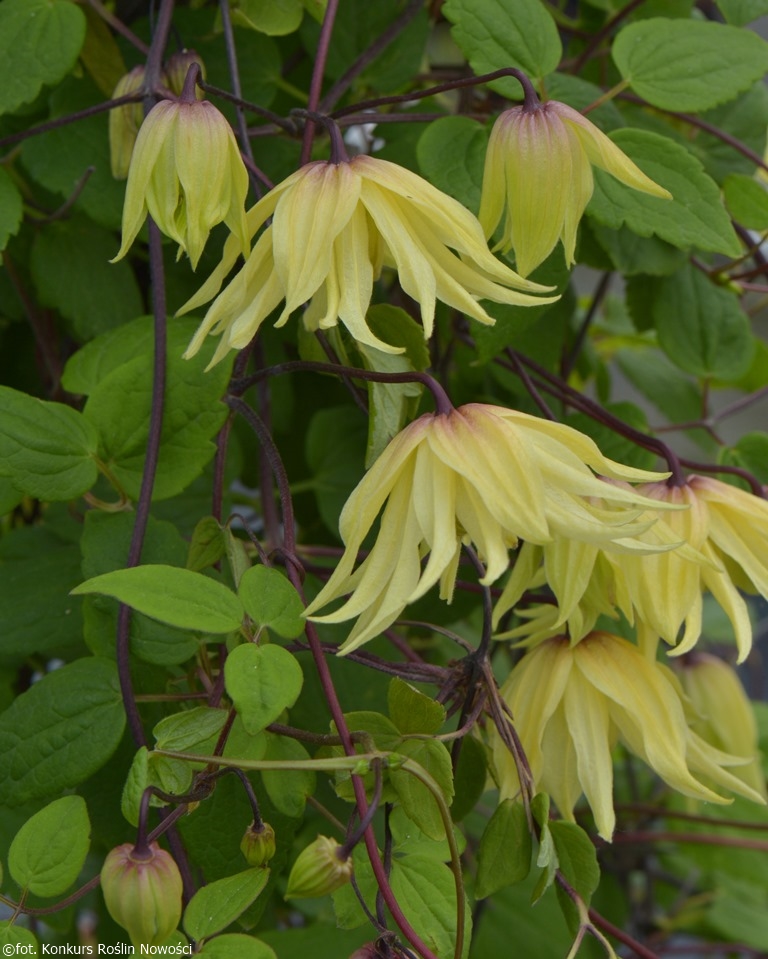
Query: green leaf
{"points": [[505, 849], [695, 217], [747, 201], [580, 94], [46, 449], [546, 858], [741, 12], [411, 710], [10, 209], [469, 778], [335, 450], [391, 405], [39, 44], [57, 160], [288, 789], [271, 602], [750, 453], [181, 731], [178, 597], [745, 119], [208, 544], [262, 681], [120, 402], [18, 939], [417, 800], [276, 18], [495, 34], [451, 155], [577, 857], [60, 731], [37, 614], [661, 382], [688, 65], [217, 905], [173, 776], [632, 255], [49, 850], [701, 327], [612, 444], [73, 275], [425, 889], [236, 946]]}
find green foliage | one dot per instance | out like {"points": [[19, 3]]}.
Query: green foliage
{"points": [[49, 850], [217, 905]]}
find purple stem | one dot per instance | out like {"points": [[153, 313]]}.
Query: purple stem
{"points": [[318, 70]]}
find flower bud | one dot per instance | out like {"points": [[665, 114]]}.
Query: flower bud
{"points": [[124, 123], [258, 844], [142, 892], [319, 870], [176, 70]]}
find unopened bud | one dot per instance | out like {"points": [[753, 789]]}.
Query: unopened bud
{"points": [[176, 70], [142, 892], [318, 871], [258, 844], [124, 123]]}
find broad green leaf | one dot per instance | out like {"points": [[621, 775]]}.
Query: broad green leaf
{"points": [[580, 94], [505, 849], [747, 201], [335, 450], [631, 254], [577, 857], [413, 711], [57, 160], [217, 905], [181, 731], [10, 209], [17, 940], [745, 119], [271, 602], [173, 776], [661, 382], [693, 218], [237, 946], [750, 453], [425, 889], [288, 790], [39, 44], [73, 275], [417, 801], [262, 681], [105, 545], [37, 614], [738, 912], [741, 12], [119, 406], [495, 34], [178, 597], [546, 858], [207, 546], [46, 449], [49, 850], [451, 155], [100, 54], [688, 65], [273, 17], [701, 327], [470, 778], [392, 405], [60, 731]]}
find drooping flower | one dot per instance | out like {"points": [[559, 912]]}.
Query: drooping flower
{"points": [[479, 474], [572, 704], [186, 172], [728, 529], [725, 717], [124, 123], [538, 177], [335, 226]]}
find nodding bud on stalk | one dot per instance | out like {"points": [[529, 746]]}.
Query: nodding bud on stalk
{"points": [[124, 123], [142, 890], [176, 70], [258, 844], [319, 870]]}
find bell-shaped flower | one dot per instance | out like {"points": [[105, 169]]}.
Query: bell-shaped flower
{"points": [[572, 704], [334, 227], [479, 474], [538, 178], [725, 717], [187, 173]]}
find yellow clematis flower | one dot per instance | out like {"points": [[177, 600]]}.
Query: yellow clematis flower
{"points": [[479, 474], [725, 718], [572, 704], [187, 173], [335, 226], [538, 177], [124, 123]]}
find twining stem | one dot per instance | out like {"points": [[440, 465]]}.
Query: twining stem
{"points": [[316, 83]]}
